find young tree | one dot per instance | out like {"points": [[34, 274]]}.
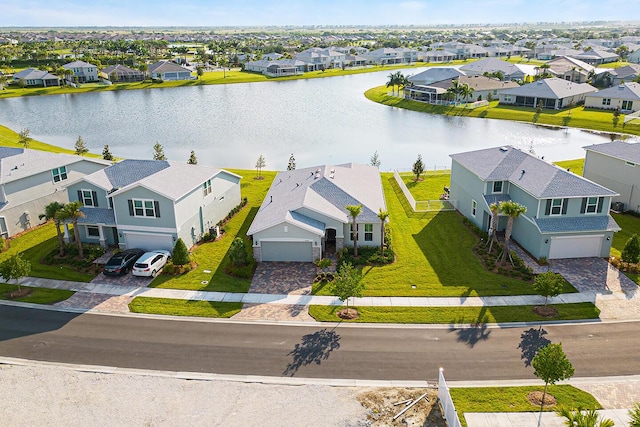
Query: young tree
{"points": [[513, 210], [354, 211], [418, 167], [106, 154], [193, 160], [238, 253], [260, 163], [199, 71], [631, 250], [382, 216], [51, 213], [180, 253], [551, 365], [71, 211], [634, 416], [375, 159], [81, 147], [582, 418], [292, 163], [15, 268], [347, 283], [158, 152], [548, 284], [24, 138]]}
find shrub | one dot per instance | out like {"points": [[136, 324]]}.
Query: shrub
{"points": [[3, 244], [238, 253], [367, 255], [631, 250], [180, 253]]}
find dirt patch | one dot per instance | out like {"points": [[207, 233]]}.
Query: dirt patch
{"points": [[379, 403], [545, 311], [535, 398], [19, 293], [348, 314]]}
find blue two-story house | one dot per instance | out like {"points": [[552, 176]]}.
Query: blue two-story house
{"points": [[567, 215], [149, 204]]}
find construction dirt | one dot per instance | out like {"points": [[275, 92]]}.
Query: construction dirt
{"points": [[384, 404]]}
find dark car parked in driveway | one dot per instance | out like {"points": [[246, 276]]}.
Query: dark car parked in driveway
{"points": [[122, 262]]}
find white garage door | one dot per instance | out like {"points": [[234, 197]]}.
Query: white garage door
{"points": [[575, 247], [287, 251], [148, 241]]}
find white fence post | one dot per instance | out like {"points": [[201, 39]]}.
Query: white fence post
{"points": [[448, 408]]}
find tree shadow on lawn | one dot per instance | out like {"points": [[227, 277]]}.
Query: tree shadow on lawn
{"points": [[474, 333], [531, 341], [313, 349]]}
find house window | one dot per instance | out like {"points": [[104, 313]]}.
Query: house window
{"points": [[59, 174], [206, 188], [592, 204], [606, 101], [92, 231], [630, 164], [368, 232], [497, 187], [627, 105], [87, 198], [556, 206], [351, 232], [144, 208], [474, 208]]}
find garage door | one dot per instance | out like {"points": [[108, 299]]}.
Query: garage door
{"points": [[575, 247], [287, 251], [148, 241]]}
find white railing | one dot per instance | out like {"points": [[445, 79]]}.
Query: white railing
{"points": [[405, 190], [448, 409], [632, 116], [423, 205]]}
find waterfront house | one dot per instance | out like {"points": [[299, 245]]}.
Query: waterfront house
{"points": [[278, 68], [492, 65], [122, 73], [169, 70], [34, 78], [553, 93], [83, 72], [436, 93], [624, 97]]}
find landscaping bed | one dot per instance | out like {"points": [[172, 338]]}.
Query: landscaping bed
{"points": [[33, 295]]}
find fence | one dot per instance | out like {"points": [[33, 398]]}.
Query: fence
{"points": [[449, 410], [423, 205]]}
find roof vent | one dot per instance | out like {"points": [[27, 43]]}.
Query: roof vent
{"points": [[504, 149]]}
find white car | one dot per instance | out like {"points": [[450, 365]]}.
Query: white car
{"points": [[150, 263]]}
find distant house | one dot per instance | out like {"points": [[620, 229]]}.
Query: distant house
{"points": [[435, 74], [384, 56], [491, 65], [483, 88], [321, 58], [634, 56], [31, 179], [554, 93], [617, 76], [169, 70], [570, 69], [83, 72], [303, 216], [122, 73], [437, 56], [149, 204], [567, 215], [625, 97], [616, 165], [597, 56], [35, 77], [277, 68]]}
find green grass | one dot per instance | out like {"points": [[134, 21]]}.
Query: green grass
{"points": [[576, 117], [630, 225], [431, 186], [213, 256], [514, 399], [455, 315], [38, 295], [434, 251], [35, 244], [175, 307], [576, 166], [9, 138]]}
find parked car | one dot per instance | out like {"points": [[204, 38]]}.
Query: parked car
{"points": [[151, 263], [122, 262]]}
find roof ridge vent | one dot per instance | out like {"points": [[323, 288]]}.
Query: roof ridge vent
{"points": [[503, 149]]}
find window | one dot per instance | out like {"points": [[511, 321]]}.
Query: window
{"points": [[59, 174], [88, 198], [368, 232], [206, 188], [606, 101], [592, 204], [351, 231], [556, 206], [92, 231], [497, 187], [144, 208], [474, 208], [627, 105]]}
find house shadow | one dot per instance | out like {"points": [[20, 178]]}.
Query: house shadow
{"points": [[313, 348], [531, 341], [21, 322], [473, 334]]}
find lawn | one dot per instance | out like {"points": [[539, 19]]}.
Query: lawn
{"points": [[576, 166], [455, 315], [431, 185], [176, 307], [514, 399], [35, 244], [434, 252], [576, 117], [38, 295], [9, 138], [212, 257]]}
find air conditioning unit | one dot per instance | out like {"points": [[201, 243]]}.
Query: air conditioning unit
{"points": [[617, 206]]}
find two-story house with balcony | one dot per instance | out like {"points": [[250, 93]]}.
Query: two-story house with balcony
{"points": [[567, 215]]}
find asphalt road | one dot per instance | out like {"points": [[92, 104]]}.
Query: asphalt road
{"points": [[311, 351]]}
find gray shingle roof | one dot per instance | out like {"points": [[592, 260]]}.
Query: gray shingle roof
{"points": [[8, 152], [553, 88], [167, 67], [491, 65], [625, 91], [496, 198], [97, 216], [571, 224], [619, 149], [536, 177]]}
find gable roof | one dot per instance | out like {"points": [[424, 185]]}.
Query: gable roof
{"points": [[166, 66], [627, 72], [553, 88], [121, 69], [33, 74], [324, 189], [77, 64], [562, 64], [478, 83], [436, 74], [536, 177], [627, 91], [619, 149], [491, 65]]}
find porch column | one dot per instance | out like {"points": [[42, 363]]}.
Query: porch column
{"points": [[66, 236], [103, 241]]}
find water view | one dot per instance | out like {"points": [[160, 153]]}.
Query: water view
{"points": [[319, 120]]}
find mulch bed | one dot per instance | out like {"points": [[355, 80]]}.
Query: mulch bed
{"points": [[535, 398], [545, 311], [18, 293], [350, 314]]}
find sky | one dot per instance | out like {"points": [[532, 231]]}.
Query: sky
{"points": [[213, 13]]}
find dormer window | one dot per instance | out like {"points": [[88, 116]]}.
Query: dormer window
{"points": [[59, 174], [497, 187]]}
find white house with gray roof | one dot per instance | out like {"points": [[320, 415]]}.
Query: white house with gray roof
{"points": [[624, 97], [31, 179], [567, 215], [169, 70], [83, 72], [303, 215], [553, 93], [616, 165], [35, 77], [149, 204]]}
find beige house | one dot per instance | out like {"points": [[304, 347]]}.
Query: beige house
{"points": [[625, 97]]}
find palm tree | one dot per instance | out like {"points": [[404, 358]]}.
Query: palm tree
{"points": [[354, 211], [71, 211], [393, 81], [581, 418], [495, 210], [455, 89], [51, 213], [382, 216], [466, 91], [512, 210]]}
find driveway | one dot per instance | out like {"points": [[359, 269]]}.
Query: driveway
{"points": [[283, 278], [126, 280]]}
